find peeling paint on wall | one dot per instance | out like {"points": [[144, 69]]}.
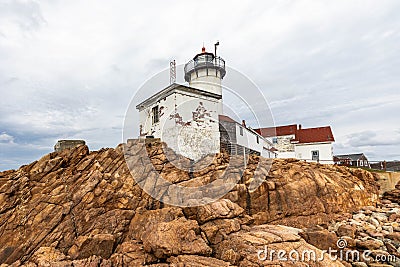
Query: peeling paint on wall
{"points": [[161, 111], [200, 113], [179, 120], [188, 123]]}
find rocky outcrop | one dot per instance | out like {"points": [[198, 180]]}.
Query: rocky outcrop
{"points": [[81, 208], [68, 200], [313, 192]]}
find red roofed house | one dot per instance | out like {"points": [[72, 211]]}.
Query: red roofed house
{"points": [[312, 144]]}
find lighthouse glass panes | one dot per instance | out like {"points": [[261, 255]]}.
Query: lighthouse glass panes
{"points": [[156, 117], [204, 58]]}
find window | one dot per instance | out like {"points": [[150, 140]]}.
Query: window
{"points": [[241, 130], [258, 139], [275, 140], [315, 155], [156, 117], [361, 163]]}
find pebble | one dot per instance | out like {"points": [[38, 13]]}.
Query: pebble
{"points": [[374, 222], [375, 227]]}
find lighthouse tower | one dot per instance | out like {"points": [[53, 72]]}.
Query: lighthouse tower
{"points": [[205, 72], [187, 117]]}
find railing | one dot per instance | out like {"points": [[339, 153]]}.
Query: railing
{"points": [[205, 62]]}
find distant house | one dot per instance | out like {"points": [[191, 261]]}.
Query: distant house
{"points": [[311, 144], [356, 160], [314, 144]]}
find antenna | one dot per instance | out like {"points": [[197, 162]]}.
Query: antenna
{"points": [[172, 72], [215, 48]]}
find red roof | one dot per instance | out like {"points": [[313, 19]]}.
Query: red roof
{"points": [[278, 131], [314, 135]]}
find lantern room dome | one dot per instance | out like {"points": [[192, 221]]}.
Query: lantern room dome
{"points": [[214, 66]]}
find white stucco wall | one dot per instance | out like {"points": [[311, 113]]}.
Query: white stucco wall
{"points": [[188, 123], [303, 152]]}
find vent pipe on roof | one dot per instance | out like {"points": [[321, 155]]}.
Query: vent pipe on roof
{"points": [[244, 123]]}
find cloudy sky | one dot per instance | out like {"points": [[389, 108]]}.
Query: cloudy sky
{"points": [[68, 69]]}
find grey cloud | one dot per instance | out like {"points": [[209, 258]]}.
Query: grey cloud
{"points": [[69, 69]]}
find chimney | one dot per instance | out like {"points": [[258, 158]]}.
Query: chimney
{"points": [[244, 123], [299, 126]]}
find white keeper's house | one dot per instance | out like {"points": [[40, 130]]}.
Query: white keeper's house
{"points": [[189, 118], [308, 144]]}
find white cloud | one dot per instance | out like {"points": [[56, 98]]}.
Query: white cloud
{"points": [[6, 138]]}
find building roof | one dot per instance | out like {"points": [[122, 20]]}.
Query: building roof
{"points": [[172, 89], [278, 130], [352, 157], [226, 118], [314, 135]]}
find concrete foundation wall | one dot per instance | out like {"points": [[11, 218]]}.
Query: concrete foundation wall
{"points": [[388, 180]]}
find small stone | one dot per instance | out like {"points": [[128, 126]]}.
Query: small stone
{"points": [[346, 230], [363, 234], [369, 227], [359, 217], [388, 228], [371, 244], [374, 222], [368, 212], [375, 234], [381, 217]]}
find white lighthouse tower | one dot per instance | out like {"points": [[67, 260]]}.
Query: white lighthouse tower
{"points": [[187, 117]]}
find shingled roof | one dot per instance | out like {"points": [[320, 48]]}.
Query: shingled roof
{"points": [[314, 135]]}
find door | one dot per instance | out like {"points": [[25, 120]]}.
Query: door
{"points": [[315, 155]]}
